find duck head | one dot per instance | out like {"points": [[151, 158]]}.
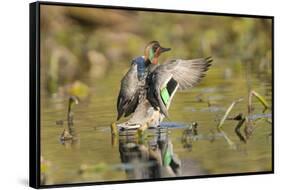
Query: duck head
{"points": [[153, 50]]}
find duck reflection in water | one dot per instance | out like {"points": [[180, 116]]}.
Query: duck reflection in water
{"points": [[152, 158]]}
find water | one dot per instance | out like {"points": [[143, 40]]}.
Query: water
{"points": [[96, 156]]}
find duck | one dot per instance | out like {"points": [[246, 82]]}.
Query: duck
{"points": [[148, 87], [133, 84]]}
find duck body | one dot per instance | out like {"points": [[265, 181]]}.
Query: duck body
{"points": [[132, 86], [148, 87]]}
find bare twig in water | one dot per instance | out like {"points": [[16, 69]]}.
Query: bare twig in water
{"points": [[261, 100], [228, 140], [249, 127], [72, 100], [114, 134], [236, 118], [227, 113], [69, 132], [189, 136], [249, 123], [264, 119], [65, 135], [113, 128], [219, 127], [194, 127], [237, 129]]}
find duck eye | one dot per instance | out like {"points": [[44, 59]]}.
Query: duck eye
{"points": [[155, 47]]}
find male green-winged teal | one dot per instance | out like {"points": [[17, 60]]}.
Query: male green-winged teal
{"points": [[148, 87]]}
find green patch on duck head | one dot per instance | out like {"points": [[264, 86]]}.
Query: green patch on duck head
{"points": [[151, 54]]}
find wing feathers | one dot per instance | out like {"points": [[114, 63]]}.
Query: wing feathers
{"points": [[187, 73], [129, 93]]}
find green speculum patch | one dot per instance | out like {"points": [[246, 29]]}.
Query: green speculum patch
{"points": [[165, 95]]}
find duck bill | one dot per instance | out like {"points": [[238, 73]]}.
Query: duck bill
{"points": [[162, 49]]}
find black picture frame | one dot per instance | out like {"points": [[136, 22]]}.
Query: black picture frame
{"points": [[34, 97]]}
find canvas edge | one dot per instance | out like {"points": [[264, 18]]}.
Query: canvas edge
{"points": [[54, 3], [34, 96]]}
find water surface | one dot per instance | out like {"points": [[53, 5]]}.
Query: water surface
{"points": [[96, 156]]}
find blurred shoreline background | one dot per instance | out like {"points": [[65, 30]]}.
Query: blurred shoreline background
{"points": [[79, 42]]}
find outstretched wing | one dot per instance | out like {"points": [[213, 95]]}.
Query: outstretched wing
{"points": [[172, 75], [129, 93]]}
